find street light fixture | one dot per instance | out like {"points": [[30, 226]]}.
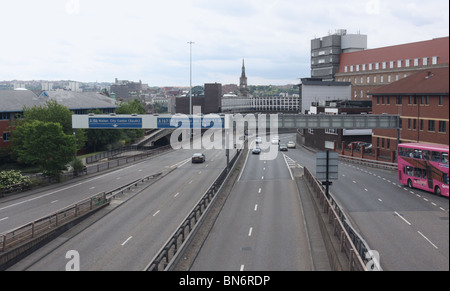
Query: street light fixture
{"points": [[190, 90]]}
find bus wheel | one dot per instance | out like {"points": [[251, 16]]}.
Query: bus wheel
{"points": [[437, 190], [410, 184]]}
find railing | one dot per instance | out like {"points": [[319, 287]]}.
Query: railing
{"points": [[51, 222], [173, 246], [368, 162], [350, 242]]}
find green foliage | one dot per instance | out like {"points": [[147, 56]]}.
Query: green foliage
{"points": [[13, 177], [44, 144], [53, 112], [77, 165]]}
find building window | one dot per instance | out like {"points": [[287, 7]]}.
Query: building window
{"points": [[370, 67], [375, 79], [431, 125], [416, 62], [391, 64], [384, 65], [399, 63], [362, 94], [388, 143], [368, 80], [425, 61], [421, 124], [409, 123], [399, 99], [415, 124], [364, 67], [357, 68], [434, 60], [407, 63], [410, 100], [5, 136], [382, 79], [4, 116], [351, 68], [389, 78], [442, 127], [377, 66], [441, 100]]}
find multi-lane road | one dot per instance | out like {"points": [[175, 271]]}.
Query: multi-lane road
{"points": [[261, 226]]}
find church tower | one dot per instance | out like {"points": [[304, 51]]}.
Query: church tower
{"points": [[243, 87]]}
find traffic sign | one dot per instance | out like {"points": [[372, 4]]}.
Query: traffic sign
{"points": [[115, 123], [327, 162]]}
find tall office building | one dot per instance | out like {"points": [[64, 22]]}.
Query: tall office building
{"points": [[326, 51]]}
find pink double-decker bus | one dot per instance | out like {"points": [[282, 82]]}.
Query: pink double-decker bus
{"points": [[424, 166]]}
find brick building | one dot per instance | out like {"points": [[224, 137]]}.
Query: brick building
{"points": [[422, 101], [370, 69]]}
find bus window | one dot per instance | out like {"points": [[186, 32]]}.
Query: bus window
{"points": [[417, 172], [426, 155], [409, 170], [445, 178], [445, 158], [401, 152], [436, 156]]}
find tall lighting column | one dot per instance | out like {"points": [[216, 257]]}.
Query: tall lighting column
{"points": [[190, 91]]}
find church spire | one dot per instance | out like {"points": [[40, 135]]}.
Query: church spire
{"points": [[243, 89]]}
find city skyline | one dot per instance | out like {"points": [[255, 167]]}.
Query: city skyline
{"points": [[90, 41]]}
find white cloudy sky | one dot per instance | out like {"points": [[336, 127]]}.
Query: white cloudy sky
{"points": [[99, 40]]}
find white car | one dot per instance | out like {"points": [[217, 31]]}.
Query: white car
{"points": [[291, 145], [258, 140]]}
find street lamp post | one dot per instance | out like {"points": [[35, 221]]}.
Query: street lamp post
{"points": [[190, 90]]}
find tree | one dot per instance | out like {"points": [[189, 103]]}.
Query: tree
{"points": [[44, 144]]}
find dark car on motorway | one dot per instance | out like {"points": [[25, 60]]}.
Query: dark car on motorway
{"points": [[283, 148], [198, 158], [256, 151]]}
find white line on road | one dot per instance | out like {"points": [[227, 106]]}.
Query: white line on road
{"points": [[92, 188], [191, 181], [4, 218], [242, 268], [128, 239], [380, 200], [262, 178], [259, 191], [156, 213], [402, 218], [250, 231], [256, 207], [427, 239], [54, 201], [177, 194]]}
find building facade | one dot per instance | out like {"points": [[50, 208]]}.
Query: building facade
{"points": [[13, 102], [243, 86], [422, 101], [326, 52], [370, 69]]}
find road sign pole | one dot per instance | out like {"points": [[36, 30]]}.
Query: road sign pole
{"points": [[327, 176]]}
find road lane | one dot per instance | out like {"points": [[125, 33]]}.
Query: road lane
{"points": [[129, 237], [261, 225], [408, 227]]}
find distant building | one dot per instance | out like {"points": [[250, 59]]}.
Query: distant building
{"points": [[126, 90], [313, 90], [326, 52], [13, 102], [210, 100]]}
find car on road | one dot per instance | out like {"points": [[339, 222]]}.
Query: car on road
{"points": [[283, 148], [256, 151], [198, 158], [258, 140], [357, 145], [291, 145]]}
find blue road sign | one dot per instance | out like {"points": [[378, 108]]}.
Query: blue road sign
{"points": [[186, 122], [115, 122]]}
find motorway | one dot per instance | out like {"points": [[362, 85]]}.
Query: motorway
{"points": [[128, 237], [261, 226]]}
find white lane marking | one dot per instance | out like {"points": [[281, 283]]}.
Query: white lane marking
{"points": [[256, 207], [250, 231], [427, 239], [4, 218], [156, 213], [177, 194], [402, 218], [54, 201], [242, 268], [259, 191], [128, 239]]}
